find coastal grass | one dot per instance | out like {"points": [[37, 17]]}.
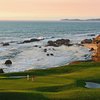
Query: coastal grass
{"points": [[61, 83]]}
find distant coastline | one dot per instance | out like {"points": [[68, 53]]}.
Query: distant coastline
{"points": [[97, 19]]}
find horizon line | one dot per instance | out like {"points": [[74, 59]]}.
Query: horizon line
{"points": [[83, 19]]}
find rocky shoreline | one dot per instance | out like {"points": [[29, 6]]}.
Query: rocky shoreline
{"points": [[94, 46], [49, 48]]}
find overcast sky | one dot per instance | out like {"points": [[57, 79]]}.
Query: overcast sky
{"points": [[48, 9]]}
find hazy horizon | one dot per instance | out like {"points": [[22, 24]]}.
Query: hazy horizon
{"points": [[48, 9]]}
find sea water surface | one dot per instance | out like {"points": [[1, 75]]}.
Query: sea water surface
{"points": [[26, 56]]}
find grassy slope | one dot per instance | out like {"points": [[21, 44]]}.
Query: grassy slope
{"points": [[62, 83]]}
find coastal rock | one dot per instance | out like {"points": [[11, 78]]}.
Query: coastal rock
{"points": [[91, 35], [70, 45], [1, 71], [36, 45], [8, 62], [92, 49], [96, 57], [31, 40], [52, 54], [47, 54], [86, 41], [40, 47], [97, 39], [98, 49], [59, 42], [45, 50], [5, 44]]}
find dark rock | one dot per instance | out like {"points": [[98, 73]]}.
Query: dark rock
{"points": [[97, 42], [8, 62], [47, 54], [31, 40], [40, 47], [52, 54], [45, 50], [62, 42], [52, 43], [86, 41], [92, 49], [26, 41], [52, 37], [86, 55], [91, 34], [70, 45], [1, 71], [49, 49], [34, 40], [5, 44], [53, 49], [59, 42], [35, 45]]}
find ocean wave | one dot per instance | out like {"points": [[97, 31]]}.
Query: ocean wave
{"points": [[36, 58]]}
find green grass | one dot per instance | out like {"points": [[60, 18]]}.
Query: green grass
{"points": [[61, 83]]}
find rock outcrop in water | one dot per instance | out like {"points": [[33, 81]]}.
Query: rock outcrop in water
{"points": [[45, 50], [5, 44], [59, 42], [86, 41], [31, 40], [8, 62], [91, 35]]}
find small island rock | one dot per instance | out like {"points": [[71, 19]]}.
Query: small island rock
{"points": [[8, 62]]}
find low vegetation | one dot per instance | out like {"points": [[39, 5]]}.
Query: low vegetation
{"points": [[61, 83]]}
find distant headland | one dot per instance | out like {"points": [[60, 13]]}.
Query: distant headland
{"points": [[97, 19]]}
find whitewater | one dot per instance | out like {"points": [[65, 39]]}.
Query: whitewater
{"points": [[29, 56]]}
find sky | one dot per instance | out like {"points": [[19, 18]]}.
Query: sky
{"points": [[48, 9]]}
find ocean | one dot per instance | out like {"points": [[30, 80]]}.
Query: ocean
{"points": [[26, 56]]}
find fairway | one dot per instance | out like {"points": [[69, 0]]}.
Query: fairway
{"points": [[61, 83]]}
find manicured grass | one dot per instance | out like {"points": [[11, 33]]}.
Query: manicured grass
{"points": [[61, 83]]}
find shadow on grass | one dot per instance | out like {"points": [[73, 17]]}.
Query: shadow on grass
{"points": [[21, 96], [55, 88]]}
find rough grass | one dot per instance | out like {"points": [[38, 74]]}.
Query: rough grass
{"points": [[61, 83]]}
